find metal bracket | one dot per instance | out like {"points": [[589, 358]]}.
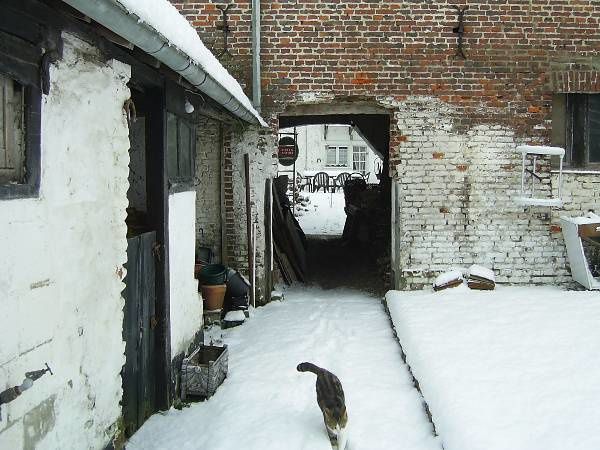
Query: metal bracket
{"points": [[224, 26], [459, 29]]}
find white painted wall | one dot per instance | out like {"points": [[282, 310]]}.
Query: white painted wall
{"points": [[62, 260], [186, 306], [312, 143]]}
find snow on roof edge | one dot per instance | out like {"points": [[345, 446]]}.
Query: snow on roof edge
{"points": [[166, 20]]}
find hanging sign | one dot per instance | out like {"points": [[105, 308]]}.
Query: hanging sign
{"points": [[287, 152]]}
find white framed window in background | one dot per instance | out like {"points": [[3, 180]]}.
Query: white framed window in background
{"points": [[337, 156], [359, 158]]}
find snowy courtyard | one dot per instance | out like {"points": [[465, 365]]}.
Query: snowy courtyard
{"points": [[322, 213], [264, 403], [514, 368]]}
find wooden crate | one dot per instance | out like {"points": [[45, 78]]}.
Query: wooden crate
{"points": [[203, 371]]}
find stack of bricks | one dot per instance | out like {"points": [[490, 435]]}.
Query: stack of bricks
{"points": [[457, 121]]}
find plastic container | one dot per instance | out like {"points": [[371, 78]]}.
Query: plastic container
{"points": [[212, 274], [237, 284]]}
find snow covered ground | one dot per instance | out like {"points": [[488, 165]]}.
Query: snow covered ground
{"points": [[511, 369], [323, 213], [264, 403]]}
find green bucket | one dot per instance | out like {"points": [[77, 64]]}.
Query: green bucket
{"points": [[213, 274]]}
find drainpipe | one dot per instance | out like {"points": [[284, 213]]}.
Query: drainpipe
{"points": [[256, 88], [115, 17]]}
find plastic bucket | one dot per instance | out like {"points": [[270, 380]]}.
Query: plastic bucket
{"points": [[237, 285], [212, 274]]}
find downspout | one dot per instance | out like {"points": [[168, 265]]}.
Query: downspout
{"points": [[115, 17], [256, 87]]}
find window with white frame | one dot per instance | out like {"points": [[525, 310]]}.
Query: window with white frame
{"points": [[359, 158], [337, 156]]}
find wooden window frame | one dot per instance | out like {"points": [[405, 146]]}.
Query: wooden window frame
{"points": [[356, 151], [20, 61], [337, 155], [564, 120]]}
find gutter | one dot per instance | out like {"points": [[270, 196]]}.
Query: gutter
{"points": [[256, 88], [116, 18]]}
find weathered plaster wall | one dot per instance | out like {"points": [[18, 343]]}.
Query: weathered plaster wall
{"points": [[209, 174], [62, 262], [186, 307], [259, 145]]}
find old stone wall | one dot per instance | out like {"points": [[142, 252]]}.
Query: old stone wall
{"points": [[457, 121], [62, 266], [259, 145]]}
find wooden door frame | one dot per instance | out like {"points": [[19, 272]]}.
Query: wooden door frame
{"points": [[158, 211], [154, 87]]}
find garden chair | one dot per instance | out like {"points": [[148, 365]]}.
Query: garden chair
{"points": [[320, 180], [340, 180], [356, 176]]}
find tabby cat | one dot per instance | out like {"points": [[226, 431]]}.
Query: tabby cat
{"points": [[330, 397]]}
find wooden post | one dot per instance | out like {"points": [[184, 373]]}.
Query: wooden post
{"points": [[249, 228]]}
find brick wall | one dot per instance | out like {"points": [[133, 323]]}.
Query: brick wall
{"points": [[208, 185], [258, 144], [457, 121]]}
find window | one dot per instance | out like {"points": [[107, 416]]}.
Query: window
{"points": [[576, 127], [337, 156], [12, 137], [20, 105], [583, 129], [180, 149], [359, 158]]}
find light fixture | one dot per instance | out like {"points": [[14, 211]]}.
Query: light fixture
{"points": [[189, 108]]}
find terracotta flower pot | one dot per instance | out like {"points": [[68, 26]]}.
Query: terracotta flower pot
{"points": [[213, 296]]}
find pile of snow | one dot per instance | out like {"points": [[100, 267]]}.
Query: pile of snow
{"points": [[515, 368], [324, 214], [266, 404], [167, 21]]}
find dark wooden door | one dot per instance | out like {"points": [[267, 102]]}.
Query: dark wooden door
{"points": [[138, 332]]}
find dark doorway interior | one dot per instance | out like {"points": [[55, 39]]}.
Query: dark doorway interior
{"points": [[360, 258], [143, 373]]}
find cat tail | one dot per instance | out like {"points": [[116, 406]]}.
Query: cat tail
{"points": [[309, 367]]}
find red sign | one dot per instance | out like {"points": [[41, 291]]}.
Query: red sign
{"points": [[287, 152]]}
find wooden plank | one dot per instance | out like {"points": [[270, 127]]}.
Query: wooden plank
{"points": [[589, 230], [249, 229]]}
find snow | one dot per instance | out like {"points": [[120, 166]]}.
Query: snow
{"points": [[481, 272], [325, 215], [264, 403], [167, 21], [589, 218], [235, 316], [540, 150], [515, 368], [447, 277]]}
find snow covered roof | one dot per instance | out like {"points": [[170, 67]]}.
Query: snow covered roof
{"points": [[175, 32]]}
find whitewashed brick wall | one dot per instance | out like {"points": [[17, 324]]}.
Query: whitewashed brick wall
{"points": [[455, 202]]}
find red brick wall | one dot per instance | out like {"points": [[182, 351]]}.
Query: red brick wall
{"points": [[385, 48], [456, 122]]}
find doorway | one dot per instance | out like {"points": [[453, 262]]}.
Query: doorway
{"points": [[143, 373], [343, 200]]}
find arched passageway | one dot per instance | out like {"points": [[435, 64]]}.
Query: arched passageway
{"points": [[347, 220]]}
